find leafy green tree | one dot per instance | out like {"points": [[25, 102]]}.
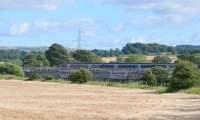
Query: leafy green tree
{"points": [[194, 58], [57, 54], [32, 60], [42, 58], [162, 75], [141, 48], [184, 76], [162, 59], [16, 62], [101, 53], [136, 58], [107, 53], [86, 56], [6, 55], [81, 76], [150, 78], [11, 69]]}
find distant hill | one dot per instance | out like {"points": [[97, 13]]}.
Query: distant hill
{"points": [[188, 46], [26, 49], [31, 49]]}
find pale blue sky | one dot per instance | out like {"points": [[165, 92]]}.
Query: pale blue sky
{"points": [[104, 23]]}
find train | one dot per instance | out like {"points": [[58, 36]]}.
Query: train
{"points": [[100, 71], [114, 65]]}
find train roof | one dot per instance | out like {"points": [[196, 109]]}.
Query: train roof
{"points": [[123, 63]]}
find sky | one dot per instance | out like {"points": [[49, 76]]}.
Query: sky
{"points": [[103, 24]]}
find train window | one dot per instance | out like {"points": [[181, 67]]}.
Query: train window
{"points": [[199, 66], [127, 66], [171, 66], [79, 66], [148, 66], [95, 65], [107, 66]]}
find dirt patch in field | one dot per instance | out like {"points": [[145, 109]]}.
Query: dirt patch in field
{"points": [[21, 100]]}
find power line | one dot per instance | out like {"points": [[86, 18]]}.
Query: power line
{"points": [[79, 39]]}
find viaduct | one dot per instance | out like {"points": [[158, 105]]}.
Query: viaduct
{"points": [[101, 71]]}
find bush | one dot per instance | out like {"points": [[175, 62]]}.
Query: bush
{"points": [[150, 78], [162, 59], [85, 56], [184, 76], [11, 69], [81, 76], [49, 78], [162, 75], [34, 77]]}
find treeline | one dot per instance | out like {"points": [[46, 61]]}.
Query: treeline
{"points": [[147, 49], [131, 53], [54, 56], [183, 76], [136, 48]]}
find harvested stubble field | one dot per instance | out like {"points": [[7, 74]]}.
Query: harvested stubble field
{"points": [[21, 100]]}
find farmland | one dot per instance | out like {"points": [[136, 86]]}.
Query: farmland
{"points": [[20, 100]]}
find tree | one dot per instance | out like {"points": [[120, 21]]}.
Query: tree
{"points": [[150, 78], [194, 58], [42, 58], [162, 75], [81, 76], [141, 48], [136, 58], [107, 53], [11, 69], [57, 54], [86, 56], [6, 55], [162, 59], [35, 60], [184, 76], [31, 61]]}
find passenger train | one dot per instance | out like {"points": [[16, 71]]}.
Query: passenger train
{"points": [[115, 65]]}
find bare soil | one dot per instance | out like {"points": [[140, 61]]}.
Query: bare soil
{"points": [[21, 100]]}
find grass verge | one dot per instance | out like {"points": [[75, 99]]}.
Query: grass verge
{"points": [[130, 85], [11, 77]]}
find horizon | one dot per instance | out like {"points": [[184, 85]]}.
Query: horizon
{"points": [[29, 47], [104, 24]]}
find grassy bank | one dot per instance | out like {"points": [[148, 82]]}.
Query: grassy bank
{"points": [[11, 77], [193, 90], [130, 85], [139, 85]]}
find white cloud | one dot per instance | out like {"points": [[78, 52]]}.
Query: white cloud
{"points": [[137, 40], [159, 6], [19, 29], [172, 10], [32, 4], [88, 26], [48, 26]]}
